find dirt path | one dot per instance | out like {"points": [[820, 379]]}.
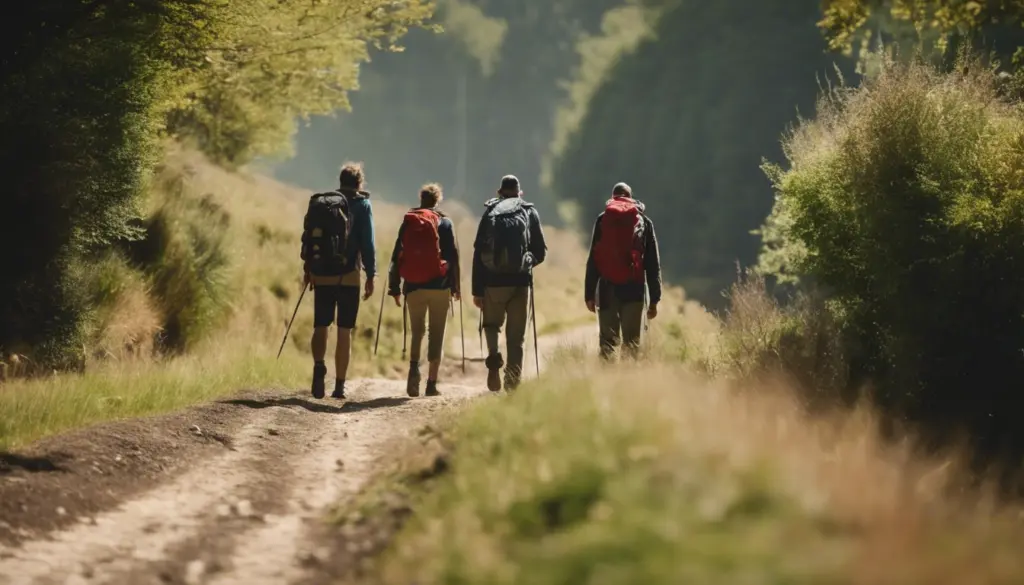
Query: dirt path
{"points": [[232, 497]]}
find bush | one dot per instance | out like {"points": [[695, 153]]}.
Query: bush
{"points": [[184, 252], [799, 341], [904, 201]]}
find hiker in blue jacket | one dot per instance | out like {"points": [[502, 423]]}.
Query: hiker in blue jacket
{"points": [[336, 288]]}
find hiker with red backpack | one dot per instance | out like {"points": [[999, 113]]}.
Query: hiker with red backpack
{"points": [[509, 244], [623, 269], [337, 238], [426, 258]]}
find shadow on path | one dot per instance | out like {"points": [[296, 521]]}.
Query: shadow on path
{"points": [[314, 406], [10, 462]]}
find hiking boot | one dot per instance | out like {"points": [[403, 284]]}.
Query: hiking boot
{"points": [[511, 380], [432, 388], [412, 385], [494, 364], [319, 385], [494, 380], [339, 390]]}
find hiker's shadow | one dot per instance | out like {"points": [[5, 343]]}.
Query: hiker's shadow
{"points": [[10, 462], [318, 407]]}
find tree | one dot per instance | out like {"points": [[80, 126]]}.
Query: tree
{"points": [[686, 118]]}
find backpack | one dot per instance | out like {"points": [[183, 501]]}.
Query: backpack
{"points": [[619, 253], [420, 258], [326, 230], [505, 236]]}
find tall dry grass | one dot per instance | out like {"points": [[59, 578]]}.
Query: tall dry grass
{"points": [[651, 474]]}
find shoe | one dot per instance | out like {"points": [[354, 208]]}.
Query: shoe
{"points": [[432, 388], [494, 364], [412, 385], [511, 381], [319, 385], [494, 380], [339, 390]]}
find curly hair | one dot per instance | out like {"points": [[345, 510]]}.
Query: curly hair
{"points": [[352, 175], [430, 195]]}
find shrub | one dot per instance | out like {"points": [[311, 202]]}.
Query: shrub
{"points": [[904, 201], [799, 341]]}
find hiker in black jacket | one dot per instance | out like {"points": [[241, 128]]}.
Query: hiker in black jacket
{"points": [[621, 264], [426, 258], [509, 244]]}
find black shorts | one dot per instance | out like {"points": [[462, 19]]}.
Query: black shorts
{"points": [[331, 298]]}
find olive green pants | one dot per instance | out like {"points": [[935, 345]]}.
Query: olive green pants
{"points": [[422, 303], [509, 302], [620, 323]]}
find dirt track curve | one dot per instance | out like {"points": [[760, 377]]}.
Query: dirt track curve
{"points": [[226, 493]]}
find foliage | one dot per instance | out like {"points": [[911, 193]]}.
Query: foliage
{"points": [[929, 25], [905, 200], [463, 108], [272, 62], [686, 118], [648, 475], [89, 85]]}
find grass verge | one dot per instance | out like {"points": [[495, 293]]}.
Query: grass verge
{"points": [[651, 475], [33, 409]]}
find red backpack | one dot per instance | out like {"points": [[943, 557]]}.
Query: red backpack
{"points": [[420, 259], [619, 253]]}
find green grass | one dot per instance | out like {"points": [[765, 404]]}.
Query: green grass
{"points": [[33, 409], [650, 475]]}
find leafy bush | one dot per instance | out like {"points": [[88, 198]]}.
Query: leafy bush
{"points": [[185, 254], [904, 201], [799, 341]]}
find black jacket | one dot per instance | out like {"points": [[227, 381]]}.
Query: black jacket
{"points": [[537, 248], [632, 292], [449, 253]]}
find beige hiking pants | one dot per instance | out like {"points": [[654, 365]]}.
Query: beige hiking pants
{"points": [[422, 303], [510, 301]]}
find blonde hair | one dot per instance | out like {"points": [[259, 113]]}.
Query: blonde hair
{"points": [[430, 195]]}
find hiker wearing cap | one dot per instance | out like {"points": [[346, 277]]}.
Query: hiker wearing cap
{"points": [[509, 244], [337, 238], [623, 259], [426, 258]]}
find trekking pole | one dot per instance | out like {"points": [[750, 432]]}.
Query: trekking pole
{"points": [[289, 328], [462, 334], [480, 330], [405, 325], [380, 316], [533, 317]]}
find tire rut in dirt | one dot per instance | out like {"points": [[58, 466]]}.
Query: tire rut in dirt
{"points": [[140, 530], [295, 428]]}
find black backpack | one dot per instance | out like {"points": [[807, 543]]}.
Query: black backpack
{"points": [[326, 229], [505, 236]]}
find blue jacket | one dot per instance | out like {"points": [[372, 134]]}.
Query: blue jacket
{"points": [[362, 240], [449, 253]]}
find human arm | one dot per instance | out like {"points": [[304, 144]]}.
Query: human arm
{"points": [[367, 239], [394, 280], [652, 265], [591, 278], [538, 247], [479, 274], [450, 254]]}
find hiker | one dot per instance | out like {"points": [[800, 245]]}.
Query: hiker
{"points": [[337, 238], [509, 244], [623, 258], [426, 258]]}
